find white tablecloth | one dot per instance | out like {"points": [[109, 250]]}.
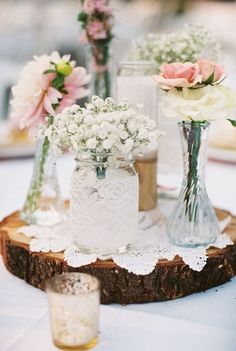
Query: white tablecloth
{"points": [[205, 321]]}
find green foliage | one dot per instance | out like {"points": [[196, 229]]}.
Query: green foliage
{"points": [[82, 17], [233, 122], [210, 79], [58, 82]]}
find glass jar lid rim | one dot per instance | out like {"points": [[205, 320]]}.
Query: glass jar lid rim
{"points": [[52, 288], [199, 123]]}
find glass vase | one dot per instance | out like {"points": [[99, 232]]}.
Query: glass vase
{"points": [[193, 221], [104, 203], [43, 204], [99, 65], [135, 83]]}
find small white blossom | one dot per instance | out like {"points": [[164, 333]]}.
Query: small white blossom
{"points": [[107, 144], [102, 134], [91, 143], [143, 133], [124, 135], [72, 128]]}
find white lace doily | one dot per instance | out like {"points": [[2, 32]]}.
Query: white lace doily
{"points": [[152, 244]]}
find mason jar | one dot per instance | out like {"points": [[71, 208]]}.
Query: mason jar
{"points": [[104, 203]]}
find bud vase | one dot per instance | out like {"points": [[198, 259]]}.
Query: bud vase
{"points": [[99, 65], [193, 221], [43, 204], [103, 212]]}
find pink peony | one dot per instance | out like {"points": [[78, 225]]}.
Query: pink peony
{"points": [[96, 30], [101, 6], [178, 75], [34, 96], [208, 67]]}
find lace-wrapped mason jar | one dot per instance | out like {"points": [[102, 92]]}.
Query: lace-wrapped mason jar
{"points": [[104, 203]]}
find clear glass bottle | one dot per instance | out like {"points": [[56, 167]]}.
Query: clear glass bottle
{"points": [[104, 203], [193, 221], [135, 83], [43, 204], [100, 66]]}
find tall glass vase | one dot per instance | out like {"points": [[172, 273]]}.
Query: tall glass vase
{"points": [[43, 204], [99, 65], [193, 221]]}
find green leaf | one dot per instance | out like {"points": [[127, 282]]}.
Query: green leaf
{"points": [[58, 82], [210, 79], [82, 17], [233, 122], [49, 71]]}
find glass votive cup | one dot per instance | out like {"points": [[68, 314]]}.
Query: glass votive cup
{"points": [[74, 300]]}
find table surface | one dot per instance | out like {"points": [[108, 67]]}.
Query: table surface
{"points": [[205, 321]]}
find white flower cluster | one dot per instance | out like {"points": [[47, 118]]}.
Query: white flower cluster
{"points": [[102, 126], [186, 46], [204, 104]]}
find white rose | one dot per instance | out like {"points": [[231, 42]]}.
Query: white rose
{"points": [[208, 103]]}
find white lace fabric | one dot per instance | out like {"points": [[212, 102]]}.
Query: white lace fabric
{"points": [[152, 245]]}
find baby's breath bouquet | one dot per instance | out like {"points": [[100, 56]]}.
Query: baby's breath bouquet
{"points": [[103, 126], [192, 42]]}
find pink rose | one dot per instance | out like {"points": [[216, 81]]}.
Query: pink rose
{"points": [[178, 75], [209, 68], [101, 6], [96, 30]]}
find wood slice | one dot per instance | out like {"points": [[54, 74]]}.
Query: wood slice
{"points": [[169, 280]]}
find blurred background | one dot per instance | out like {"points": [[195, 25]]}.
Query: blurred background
{"points": [[29, 27]]}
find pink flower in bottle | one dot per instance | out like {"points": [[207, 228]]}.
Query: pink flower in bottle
{"points": [[96, 30]]}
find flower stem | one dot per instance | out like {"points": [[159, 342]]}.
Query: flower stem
{"points": [[102, 80], [190, 192], [35, 190]]}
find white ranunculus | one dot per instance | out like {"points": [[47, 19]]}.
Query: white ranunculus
{"points": [[203, 104]]}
